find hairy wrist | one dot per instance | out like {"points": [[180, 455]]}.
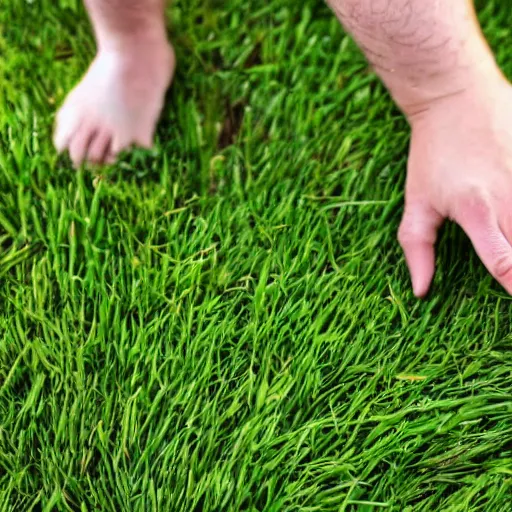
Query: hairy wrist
{"points": [[422, 50]]}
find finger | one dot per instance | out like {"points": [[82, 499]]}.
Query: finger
{"points": [[80, 143], [417, 236], [492, 247], [111, 159], [65, 126], [99, 147], [121, 141], [505, 224]]}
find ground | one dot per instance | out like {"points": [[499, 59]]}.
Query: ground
{"points": [[226, 323]]}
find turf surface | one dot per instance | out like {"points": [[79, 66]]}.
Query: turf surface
{"points": [[226, 324]]}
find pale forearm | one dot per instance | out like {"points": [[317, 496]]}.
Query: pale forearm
{"points": [[422, 49], [116, 21]]}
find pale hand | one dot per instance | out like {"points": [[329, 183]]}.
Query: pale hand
{"points": [[460, 168]]}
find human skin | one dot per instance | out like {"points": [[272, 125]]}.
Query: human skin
{"points": [[119, 100], [433, 58], [430, 54]]}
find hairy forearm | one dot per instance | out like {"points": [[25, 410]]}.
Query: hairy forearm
{"points": [[422, 49]]}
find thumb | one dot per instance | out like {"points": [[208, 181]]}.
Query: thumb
{"points": [[417, 236]]}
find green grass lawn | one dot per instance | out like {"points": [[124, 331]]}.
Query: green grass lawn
{"points": [[226, 323]]}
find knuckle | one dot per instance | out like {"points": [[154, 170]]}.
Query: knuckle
{"points": [[474, 206], [405, 234], [416, 230], [502, 268]]}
